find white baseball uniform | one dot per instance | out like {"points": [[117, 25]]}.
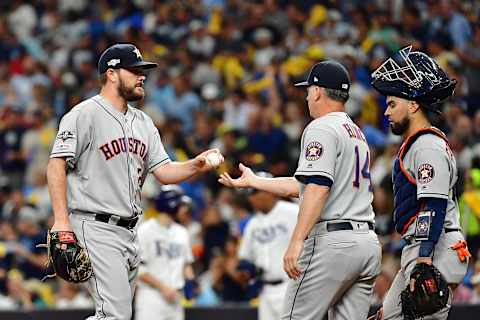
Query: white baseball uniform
{"points": [[264, 243], [165, 251]]}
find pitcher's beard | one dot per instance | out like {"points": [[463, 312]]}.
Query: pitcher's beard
{"points": [[129, 94]]}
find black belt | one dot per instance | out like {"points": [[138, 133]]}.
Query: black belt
{"points": [[122, 222], [447, 230], [337, 226], [272, 282]]}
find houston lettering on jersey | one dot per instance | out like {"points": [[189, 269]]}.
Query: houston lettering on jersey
{"points": [[354, 132], [117, 146]]}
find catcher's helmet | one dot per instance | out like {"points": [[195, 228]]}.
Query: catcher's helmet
{"points": [[413, 75], [170, 198]]}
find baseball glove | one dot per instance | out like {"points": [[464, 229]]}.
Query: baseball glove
{"points": [[430, 293], [69, 260]]}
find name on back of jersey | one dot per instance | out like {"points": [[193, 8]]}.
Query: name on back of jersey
{"points": [[354, 132]]}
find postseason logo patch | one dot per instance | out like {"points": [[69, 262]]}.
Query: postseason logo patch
{"points": [[65, 135], [313, 151], [425, 173]]}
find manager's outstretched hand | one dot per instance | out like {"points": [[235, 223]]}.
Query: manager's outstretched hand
{"points": [[244, 181]]}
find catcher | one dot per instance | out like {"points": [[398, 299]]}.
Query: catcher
{"points": [[435, 257]]}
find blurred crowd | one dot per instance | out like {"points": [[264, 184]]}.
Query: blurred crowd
{"points": [[225, 81]]}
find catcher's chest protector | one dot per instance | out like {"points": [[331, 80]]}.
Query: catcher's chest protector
{"points": [[406, 205]]}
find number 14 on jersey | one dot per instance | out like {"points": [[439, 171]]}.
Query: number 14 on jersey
{"points": [[365, 169]]}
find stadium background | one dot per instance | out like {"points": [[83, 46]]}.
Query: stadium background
{"points": [[225, 80]]}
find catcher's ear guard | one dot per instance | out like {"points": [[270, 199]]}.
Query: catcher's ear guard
{"points": [[69, 260]]}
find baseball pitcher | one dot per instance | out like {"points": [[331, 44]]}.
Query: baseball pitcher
{"points": [[102, 153]]}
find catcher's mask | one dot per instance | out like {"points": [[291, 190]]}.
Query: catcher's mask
{"points": [[413, 75]]}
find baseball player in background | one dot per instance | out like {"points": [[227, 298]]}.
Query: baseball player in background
{"points": [[334, 255], [166, 258], [264, 243], [102, 153], [424, 175]]}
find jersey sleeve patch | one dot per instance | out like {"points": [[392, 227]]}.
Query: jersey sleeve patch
{"points": [[66, 135], [313, 151], [65, 140], [425, 173]]}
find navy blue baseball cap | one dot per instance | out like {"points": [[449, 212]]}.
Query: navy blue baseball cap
{"points": [[328, 74], [123, 55]]}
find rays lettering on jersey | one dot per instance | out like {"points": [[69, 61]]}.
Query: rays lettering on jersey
{"points": [[268, 234], [354, 132], [117, 146], [170, 250]]}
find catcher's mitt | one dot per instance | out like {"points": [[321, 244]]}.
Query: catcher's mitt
{"points": [[430, 293], [69, 260]]}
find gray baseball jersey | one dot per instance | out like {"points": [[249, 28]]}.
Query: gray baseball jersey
{"points": [[333, 146], [342, 255], [109, 154], [433, 166]]}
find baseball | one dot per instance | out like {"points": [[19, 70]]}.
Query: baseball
{"points": [[213, 159]]}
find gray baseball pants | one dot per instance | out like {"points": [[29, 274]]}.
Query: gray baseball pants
{"points": [[445, 259], [114, 253], [339, 270]]}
